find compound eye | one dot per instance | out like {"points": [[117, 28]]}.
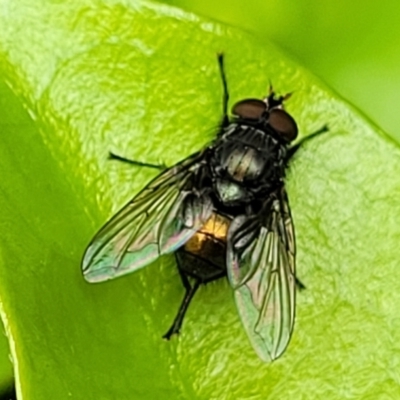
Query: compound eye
{"points": [[249, 109], [283, 123]]}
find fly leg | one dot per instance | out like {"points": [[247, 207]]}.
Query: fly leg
{"points": [[190, 291], [299, 284], [225, 98], [292, 150], [112, 156]]}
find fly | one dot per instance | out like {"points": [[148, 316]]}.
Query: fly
{"points": [[223, 211]]}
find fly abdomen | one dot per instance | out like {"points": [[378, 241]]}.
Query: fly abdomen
{"points": [[204, 254]]}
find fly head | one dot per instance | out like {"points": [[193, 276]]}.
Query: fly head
{"points": [[267, 113]]}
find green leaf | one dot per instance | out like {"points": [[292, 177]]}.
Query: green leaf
{"points": [[142, 80]]}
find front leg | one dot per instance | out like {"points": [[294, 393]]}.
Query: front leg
{"points": [[225, 98], [292, 150]]}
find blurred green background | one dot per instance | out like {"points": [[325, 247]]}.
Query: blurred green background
{"points": [[354, 46]]}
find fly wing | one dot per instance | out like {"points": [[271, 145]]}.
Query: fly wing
{"points": [[261, 269], [160, 219]]}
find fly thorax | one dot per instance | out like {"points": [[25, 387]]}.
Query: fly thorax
{"points": [[239, 162], [244, 164], [230, 192], [249, 155]]}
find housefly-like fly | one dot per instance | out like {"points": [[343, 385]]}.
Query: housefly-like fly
{"points": [[223, 211]]}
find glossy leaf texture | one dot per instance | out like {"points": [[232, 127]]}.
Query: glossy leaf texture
{"points": [[141, 80]]}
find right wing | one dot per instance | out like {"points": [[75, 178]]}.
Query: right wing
{"points": [[159, 220], [261, 270]]}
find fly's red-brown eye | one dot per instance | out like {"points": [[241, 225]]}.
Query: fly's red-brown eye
{"points": [[283, 123], [249, 109]]}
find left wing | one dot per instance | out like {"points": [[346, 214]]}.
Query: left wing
{"points": [[261, 269], [159, 220]]}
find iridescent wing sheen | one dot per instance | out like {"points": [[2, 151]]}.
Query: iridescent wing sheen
{"points": [[261, 269], [159, 220]]}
